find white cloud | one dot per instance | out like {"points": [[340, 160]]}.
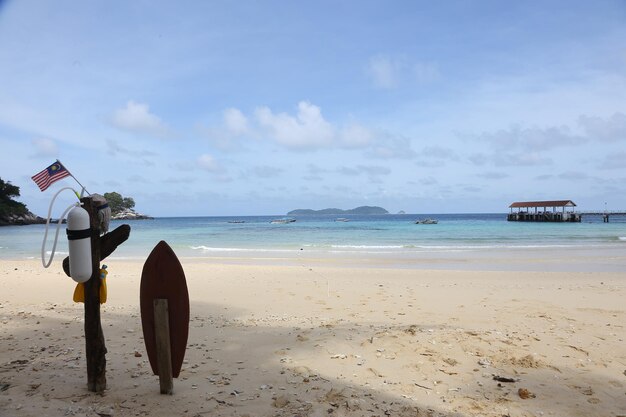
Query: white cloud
{"points": [[534, 138], [612, 129], [306, 130], [520, 159], [388, 146], [355, 136], [136, 118], [393, 72], [528, 146], [45, 147], [235, 121]]}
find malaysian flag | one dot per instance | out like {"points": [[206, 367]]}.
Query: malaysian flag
{"points": [[53, 173]]}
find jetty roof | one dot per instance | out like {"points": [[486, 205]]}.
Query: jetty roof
{"points": [[553, 203]]}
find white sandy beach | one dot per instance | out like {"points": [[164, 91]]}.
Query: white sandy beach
{"points": [[326, 340]]}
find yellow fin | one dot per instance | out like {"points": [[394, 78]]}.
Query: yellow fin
{"points": [[79, 293], [103, 290]]}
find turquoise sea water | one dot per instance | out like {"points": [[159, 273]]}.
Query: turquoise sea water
{"points": [[387, 235]]}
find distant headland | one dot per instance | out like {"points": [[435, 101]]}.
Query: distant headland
{"points": [[359, 210]]}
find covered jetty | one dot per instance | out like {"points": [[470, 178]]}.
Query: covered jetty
{"points": [[543, 211]]}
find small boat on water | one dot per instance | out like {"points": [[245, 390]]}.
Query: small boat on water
{"points": [[283, 221], [427, 221], [342, 219]]}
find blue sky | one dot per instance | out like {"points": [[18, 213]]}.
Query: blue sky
{"points": [[220, 108]]}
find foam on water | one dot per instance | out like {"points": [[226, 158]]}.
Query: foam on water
{"points": [[385, 234]]}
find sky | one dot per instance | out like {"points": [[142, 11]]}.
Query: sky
{"points": [[209, 108]]}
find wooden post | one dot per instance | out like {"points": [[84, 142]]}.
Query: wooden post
{"points": [[163, 348], [94, 337]]}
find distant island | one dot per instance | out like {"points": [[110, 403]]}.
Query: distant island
{"points": [[122, 208], [359, 210]]}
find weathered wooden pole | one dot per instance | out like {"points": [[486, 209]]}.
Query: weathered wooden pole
{"points": [[94, 337], [163, 348]]}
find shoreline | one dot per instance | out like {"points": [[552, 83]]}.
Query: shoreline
{"points": [[284, 340], [572, 259]]}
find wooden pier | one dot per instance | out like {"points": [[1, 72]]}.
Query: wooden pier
{"points": [[606, 215], [539, 211]]}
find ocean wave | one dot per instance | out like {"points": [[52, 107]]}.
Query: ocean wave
{"points": [[214, 249], [622, 238], [450, 247], [57, 253], [367, 246]]}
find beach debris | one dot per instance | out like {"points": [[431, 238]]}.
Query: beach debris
{"points": [[448, 372], [354, 404], [221, 402], [339, 356], [412, 330], [280, 402], [375, 372], [106, 412], [137, 354], [527, 361], [484, 362], [504, 379], [334, 397], [303, 370], [451, 361], [524, 394], [578, 349], [4, 387]]}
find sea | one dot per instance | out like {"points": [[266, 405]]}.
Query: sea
{"points": [[473, 241]]}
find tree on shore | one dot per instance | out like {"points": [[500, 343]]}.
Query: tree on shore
{"points": [[8, 206], [119, 203]]}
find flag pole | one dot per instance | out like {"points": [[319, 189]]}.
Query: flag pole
{"points": [[71, 175]]}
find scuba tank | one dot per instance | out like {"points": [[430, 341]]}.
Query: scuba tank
{"points": [[79, 237]]}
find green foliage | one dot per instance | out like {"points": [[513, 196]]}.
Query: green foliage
{"points": [[128, 203], [8, 206], [119, 203]]}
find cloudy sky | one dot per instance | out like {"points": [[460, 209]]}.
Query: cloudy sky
{"points": [[261, 107]]}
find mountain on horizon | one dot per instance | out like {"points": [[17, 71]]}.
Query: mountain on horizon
{"points": [[367, 210]]}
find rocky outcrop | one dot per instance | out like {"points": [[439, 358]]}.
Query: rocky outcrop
{"points": [[21, 219], [129, 214]]}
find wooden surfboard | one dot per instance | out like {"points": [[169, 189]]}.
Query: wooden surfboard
{"points": [[163, 277]]}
